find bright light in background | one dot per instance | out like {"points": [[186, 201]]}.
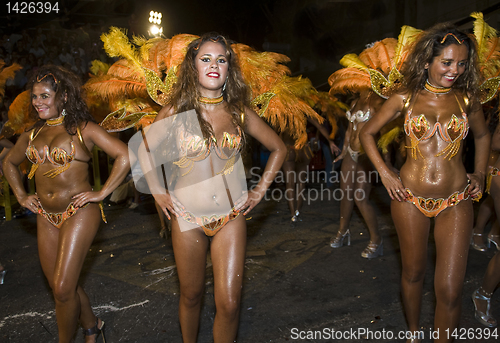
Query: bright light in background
{"points": [[155, 19], [155, 30]]}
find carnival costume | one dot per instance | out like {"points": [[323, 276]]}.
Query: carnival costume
{"points": [[419, 129], [431, 207], [377, 69], [61, 159], [137, 86], [488, 48]]}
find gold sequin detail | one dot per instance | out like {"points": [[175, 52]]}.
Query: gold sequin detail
{"points": [[261, 102]]}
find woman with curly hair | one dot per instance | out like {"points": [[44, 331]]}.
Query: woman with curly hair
{"points": [[59, 147], [439, 105], [210, 86]]}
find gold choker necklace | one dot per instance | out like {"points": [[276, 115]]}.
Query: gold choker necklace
{"points": [[211, 101], [55, 121], [436, 90]]}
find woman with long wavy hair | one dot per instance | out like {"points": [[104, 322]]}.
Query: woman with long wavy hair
{"points": [[439, 105], [205, 178], [69, 212]]}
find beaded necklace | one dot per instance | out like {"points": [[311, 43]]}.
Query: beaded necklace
{"points": [[55, 121], [211, 101], [435, 90]]}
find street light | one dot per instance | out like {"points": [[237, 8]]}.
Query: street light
{"points": [[155, 19]]}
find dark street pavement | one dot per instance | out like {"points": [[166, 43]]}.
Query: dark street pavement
{"points": [[294, 282]]}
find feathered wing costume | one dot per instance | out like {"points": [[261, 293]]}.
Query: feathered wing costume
{"points": [[377, 69], [17, 115], [488, 49], [137, 85]]}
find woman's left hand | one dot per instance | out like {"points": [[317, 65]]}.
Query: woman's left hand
{"points": [[83, 198], [476, 185], [334, 148], [248, 201]]}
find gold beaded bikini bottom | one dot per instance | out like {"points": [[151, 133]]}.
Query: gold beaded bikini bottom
{"points": [[431, 207], [58, 218]]}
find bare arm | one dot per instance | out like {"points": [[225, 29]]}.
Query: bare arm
{"points": [[93, 134], [10, 166], [6, 143], [347, 139], [333, 147], [153, 135], [259, 130], [389, 111], [482, 144]]}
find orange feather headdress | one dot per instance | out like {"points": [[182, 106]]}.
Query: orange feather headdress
{"points": [[377, 67], [144, 76]]}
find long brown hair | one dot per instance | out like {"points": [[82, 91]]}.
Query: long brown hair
{"points": [[430, 44], [185, 93]]}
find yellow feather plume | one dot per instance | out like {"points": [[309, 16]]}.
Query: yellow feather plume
{"points": [[353, 61], [483, 32], [489, 57], [387, 138], [99, 68], [117, 44], [406, 37]]}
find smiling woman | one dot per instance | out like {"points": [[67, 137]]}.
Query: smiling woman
{"points": [[59, 149], [207, 195], [439, 106], [212, 70]]}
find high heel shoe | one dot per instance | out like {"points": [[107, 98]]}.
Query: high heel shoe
{"points": [[495, 240], [2, 276], [338, 241], [373, 250], [96, 330], [295, 217], [484, 318], [478, 247]]}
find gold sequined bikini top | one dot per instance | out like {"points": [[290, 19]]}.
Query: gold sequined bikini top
{"points": [[57, 156], [194, 148], [419, 129]]}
